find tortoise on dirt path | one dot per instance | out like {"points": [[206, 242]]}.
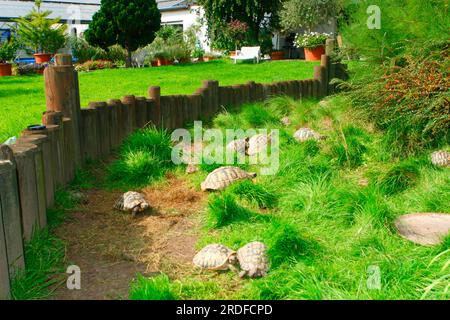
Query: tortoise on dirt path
{"points": [[253, 260], [133, 202], [441, 158], [215, 257], [305, 134], [222, 177]]}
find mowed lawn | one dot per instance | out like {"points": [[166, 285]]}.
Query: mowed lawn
{"points": [[22, 99]]}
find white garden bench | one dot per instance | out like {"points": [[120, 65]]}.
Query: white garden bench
{"points": [[248, 53]]}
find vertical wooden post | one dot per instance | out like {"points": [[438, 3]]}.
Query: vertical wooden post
{"points": [[154, 93], [43, 142], [23, 155], [63, 94], [330, 46], [10, 215], [5, 287]]}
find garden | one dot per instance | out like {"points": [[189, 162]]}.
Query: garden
{"points": [[327, 224]]}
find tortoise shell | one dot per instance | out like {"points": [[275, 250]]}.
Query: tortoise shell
{"points": [[132, 202], [222, 177], [239, 146], [253, 260], [305, 134], [215, 257], [258, 143], [441, 158]]}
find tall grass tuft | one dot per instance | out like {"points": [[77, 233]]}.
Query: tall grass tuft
{"points": [[254, 193], [155, 288], [399, 178], [285, 243], [224, 210], [350, 147], [143, 158], [44, 256]]}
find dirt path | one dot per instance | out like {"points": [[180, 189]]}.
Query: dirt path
{"points": [[111, 247]]}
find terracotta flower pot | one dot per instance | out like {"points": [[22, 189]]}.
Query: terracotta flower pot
{"points": [[5, 69], [277, 55], [164, 62], [42, 57], [232, 53], [314, 54]]}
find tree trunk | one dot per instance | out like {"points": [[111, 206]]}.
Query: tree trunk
{"points": [[128, 62]]}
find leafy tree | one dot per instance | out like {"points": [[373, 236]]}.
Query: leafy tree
{"points": [[297, 14], [36, 31], [130, 23], [259, 15]]}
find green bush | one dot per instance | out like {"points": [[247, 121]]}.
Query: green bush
{"points": [[402, 82]]}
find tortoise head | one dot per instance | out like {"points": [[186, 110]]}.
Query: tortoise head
{"points": [[232, 258]]}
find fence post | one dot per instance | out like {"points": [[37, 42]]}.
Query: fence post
{"points": [[10, 215], [5, 287], [154, 93], [24, 157], [41, 139], [63, 94]]}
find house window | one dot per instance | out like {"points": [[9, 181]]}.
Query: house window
{"points": [[5, 35]]}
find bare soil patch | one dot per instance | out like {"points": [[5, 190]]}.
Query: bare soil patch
{"points": [[111, 247]]}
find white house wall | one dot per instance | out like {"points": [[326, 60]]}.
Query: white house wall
{"points": [[187, 18]]}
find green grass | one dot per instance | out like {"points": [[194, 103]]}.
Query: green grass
{"points": [[144, 157], [22, 99], [326, 231]]}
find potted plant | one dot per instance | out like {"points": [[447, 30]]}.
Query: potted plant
{"points": [[237, 31], [198, 54], [313, 44], [7, 54], [40, 34], [277, 55]]}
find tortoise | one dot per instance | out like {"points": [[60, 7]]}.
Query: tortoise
{"points": [[286, 121], [222, 177], [215, 257], [253, 260], [238, 146], [258, 143], [441, 158], [305, 134], [133, 202]]}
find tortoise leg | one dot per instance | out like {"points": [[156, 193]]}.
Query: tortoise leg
{"points": [[242, 274]]}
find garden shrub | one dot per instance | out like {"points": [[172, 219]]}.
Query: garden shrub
{"points": [[403, 82], [92, 65]]}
